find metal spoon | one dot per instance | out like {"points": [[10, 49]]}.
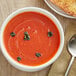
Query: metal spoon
{"points": [[72, 50]]}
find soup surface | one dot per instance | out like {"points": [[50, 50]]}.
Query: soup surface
{"points": [[31, 38]]}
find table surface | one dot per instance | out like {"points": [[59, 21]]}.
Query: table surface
{"points": [[6, 8]]}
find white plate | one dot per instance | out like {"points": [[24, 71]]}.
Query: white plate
{"points": [[58, 10]]}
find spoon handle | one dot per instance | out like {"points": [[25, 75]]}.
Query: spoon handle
{"points": [[72, 59]]}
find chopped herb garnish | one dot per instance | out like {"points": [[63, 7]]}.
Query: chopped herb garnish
{"points": [[18, 58], [12, 34], [26, 36], [38, 54], [50, 34]]}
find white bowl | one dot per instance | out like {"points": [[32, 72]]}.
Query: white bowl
{"points": [[58, 10], [25, 67]]}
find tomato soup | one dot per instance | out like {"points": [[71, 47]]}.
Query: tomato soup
{"points": [[31, 38]]}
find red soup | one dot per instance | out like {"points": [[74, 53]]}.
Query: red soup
{"points": [[31, 38]]}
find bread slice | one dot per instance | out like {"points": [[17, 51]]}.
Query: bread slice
{"points": [[69, 6]]}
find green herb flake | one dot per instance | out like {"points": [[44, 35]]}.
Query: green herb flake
{"points": [[12, 34], [18, 58], [26, 36], [50, 34], [38, 54]]}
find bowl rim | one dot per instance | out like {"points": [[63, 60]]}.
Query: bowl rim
{"points": [[67, 16], [26, 67]]}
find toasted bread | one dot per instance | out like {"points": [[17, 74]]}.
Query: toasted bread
{"points": [[69, 6]]}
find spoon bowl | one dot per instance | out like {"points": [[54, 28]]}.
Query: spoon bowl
{"points": [[72, 50], [72, 45]]}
